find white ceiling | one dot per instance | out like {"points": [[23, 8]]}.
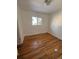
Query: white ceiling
{"points": [[40, 6]]}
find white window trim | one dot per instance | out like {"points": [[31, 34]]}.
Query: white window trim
{"points": [[37, 21]]}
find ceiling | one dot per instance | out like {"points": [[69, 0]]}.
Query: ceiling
{"points": [[40, 6]]}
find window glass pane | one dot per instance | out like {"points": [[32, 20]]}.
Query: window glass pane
{"points": [[34, 20], [39, 21]]}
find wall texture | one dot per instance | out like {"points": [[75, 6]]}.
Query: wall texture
{"points": [[55, 25], [28, 28], [20, 27]]}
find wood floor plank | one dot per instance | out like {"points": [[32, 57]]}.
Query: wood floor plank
{"points": [[40, 46]]}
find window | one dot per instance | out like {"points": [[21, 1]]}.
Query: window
{"points": [[36, 21], [39, 21]]}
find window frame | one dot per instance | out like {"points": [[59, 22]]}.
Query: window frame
{"points": [[37, 21]]}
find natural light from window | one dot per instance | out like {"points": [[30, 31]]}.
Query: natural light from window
{"points": [[36, 21]]}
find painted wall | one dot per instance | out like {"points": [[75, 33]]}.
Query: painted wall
{"points": [[20, 27], [55, 25], [28, 28]]}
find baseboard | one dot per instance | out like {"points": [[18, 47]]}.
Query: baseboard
{"points": [[35, 34], [55, 36]]}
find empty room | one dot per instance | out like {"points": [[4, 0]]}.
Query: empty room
{"points": [[39, 29]]}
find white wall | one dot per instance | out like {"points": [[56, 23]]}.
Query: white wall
{"points": [[20, 27], [27, 23], [55, 25]]}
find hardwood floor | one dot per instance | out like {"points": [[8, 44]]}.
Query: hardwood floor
{"points": [[41, 46]]}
